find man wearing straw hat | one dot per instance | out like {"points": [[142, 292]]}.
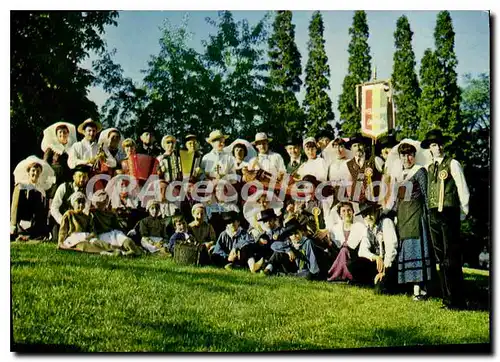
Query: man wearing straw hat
{"points": [[448, 202], [217, 163], [266, 160], [87, 151]]}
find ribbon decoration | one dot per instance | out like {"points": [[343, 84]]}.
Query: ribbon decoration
{"points": [[316, 211], [442, 176], [368, 174]]}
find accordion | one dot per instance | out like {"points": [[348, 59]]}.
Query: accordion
{"points": [[189, 162], [140, 166]]}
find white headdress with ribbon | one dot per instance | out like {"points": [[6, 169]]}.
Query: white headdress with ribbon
{"points": [[251, 152], [47, 177], [50, 138]]}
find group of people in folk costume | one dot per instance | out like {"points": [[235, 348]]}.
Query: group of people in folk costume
{"points": [[339, 213]]}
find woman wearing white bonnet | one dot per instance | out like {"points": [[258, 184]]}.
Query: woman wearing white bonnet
{"points": [[33, 177], [57, 140]]}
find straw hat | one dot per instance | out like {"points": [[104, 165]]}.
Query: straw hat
{"points": [[87, 122], [165, 139], [215, 135], [261, 136]]}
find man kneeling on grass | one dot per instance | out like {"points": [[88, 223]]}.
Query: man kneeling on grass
{"points": [[235, 247], [106, 226], [378, 249], [294, 256]]}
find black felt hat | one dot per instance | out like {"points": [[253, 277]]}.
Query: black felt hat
{"points": [[434, 136], [367, 208], [357, 138], [267, 214], [230, 216]]}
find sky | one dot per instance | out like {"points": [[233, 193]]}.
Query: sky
{"points": [[137, 36]]}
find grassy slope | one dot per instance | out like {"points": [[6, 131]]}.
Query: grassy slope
{"points": [[93, 303]]}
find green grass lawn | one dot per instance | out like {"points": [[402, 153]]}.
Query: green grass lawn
{"points": [[67, 301]]}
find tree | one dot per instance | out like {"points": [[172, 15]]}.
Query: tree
{"points": [[47, 83], [235, 55], [179, 88], [444, 39], [472, 148], [359, 71], [317, 103], [405, 81], [124, 109], [431, 103], [440, 105], [284, 112]]}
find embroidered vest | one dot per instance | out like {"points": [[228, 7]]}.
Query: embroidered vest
{"points": [[450, 188]]}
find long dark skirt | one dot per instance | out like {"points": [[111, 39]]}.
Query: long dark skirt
{"points": [[414, 260]]}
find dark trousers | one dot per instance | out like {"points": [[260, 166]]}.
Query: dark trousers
{"points": [[445, 236], [281, 263], [245, 253]]}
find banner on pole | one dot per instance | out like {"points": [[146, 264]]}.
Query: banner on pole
{"points": [[376, 109]]}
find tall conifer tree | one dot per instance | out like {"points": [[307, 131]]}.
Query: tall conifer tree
{"points": [[359, 71], [317, 103], [405, 81], [431, 102], [444, 38], [285, 113], [439, 106]]}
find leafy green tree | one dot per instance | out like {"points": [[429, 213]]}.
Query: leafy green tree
{"points": [[235, 55], [359, 71], [47, 82], [124, 109], [179, 88], [317, 103], [284, 112], [472, 147], [405, 81]]}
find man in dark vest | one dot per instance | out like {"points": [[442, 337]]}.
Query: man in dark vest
{"points": [[293, 147], [362, 171], [148, 146], [448, 197], [61, 202]]}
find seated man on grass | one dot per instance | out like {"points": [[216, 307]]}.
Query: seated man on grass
{"points": [[378, 250], [235, 247], [294, 256], [272, 233]]}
